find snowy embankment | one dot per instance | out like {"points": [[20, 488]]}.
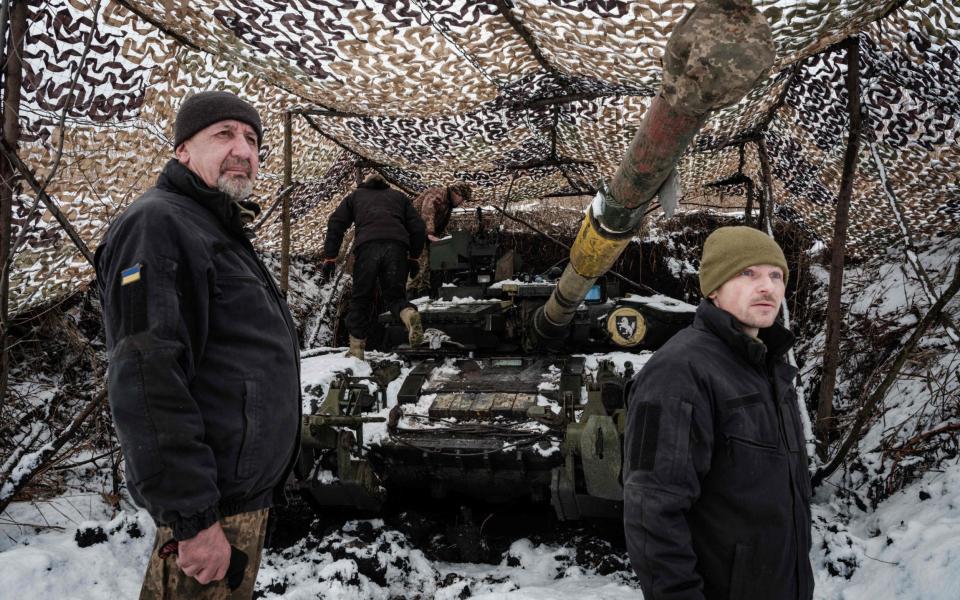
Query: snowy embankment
{"points": [[888, 525], [909, 548]]}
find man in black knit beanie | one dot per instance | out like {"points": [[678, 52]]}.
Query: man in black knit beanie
{"points": [[204, 377]]}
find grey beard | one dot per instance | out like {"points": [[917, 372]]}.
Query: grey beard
{"points": [[236, 188]]}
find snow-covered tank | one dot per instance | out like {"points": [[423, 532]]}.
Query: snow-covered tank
{"points": [[510, 399], [476, 411]]}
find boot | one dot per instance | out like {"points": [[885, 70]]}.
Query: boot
{"points": [[411, 320], [356, 347]]}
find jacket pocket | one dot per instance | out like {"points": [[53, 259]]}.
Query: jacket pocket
{"points": [[240, 280], [791, 427], [135, 427], [740, 573], [251, 460], [750, 420]]}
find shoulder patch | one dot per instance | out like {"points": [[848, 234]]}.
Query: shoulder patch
{"points": [[130, 275], [133, 299]]}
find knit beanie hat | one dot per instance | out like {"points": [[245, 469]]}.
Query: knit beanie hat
{"points": [[206, 108], [462, 188], [729, 250]]}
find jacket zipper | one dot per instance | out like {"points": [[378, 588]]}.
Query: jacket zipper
{"points": [[793, 483], [278, 298]]}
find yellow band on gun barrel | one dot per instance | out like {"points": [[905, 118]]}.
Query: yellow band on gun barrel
{"points": [[593, 254]]}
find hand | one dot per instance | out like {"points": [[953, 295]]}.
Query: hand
{"points": [[205, 556], [328, 269], [432, 237], [413, 267]]}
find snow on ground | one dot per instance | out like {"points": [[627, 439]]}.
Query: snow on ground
{"points": [[908, 548], [70, 547], [76, 557], [366, 559]]}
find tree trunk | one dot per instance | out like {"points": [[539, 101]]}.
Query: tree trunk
{"points": [[831, 356], [766, 194], [285, 214], [13, 78], [748, 211]]}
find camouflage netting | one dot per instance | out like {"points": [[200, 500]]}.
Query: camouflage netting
{"points": [[429, 92]]}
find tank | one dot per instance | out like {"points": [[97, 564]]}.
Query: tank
{"points": [[520, 390], [478, 413]]}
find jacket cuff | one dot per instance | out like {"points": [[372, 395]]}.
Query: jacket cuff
{"points": [[188, 527]]}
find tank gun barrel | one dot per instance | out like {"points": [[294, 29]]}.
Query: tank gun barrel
{"points": [[715, 55]]}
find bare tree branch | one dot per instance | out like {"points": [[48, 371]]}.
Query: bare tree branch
{"points": [[831, 354], [32, 463], [869, 406]]}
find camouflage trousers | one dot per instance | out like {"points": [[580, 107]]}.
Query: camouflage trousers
{"points": [[421, 281], [165, 581]]}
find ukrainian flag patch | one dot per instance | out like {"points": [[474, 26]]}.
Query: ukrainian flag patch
{"points": [[130, 275]]}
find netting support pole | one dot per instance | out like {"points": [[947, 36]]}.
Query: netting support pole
{"points": [[831, 353], [285, 211], [12, 80], [766, 193], [748, 211]]}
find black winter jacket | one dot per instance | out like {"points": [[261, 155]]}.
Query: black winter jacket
{"points": [[379, 213], [204, 375], [716, 487]]}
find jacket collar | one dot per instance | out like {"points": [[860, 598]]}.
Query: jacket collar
{"points": [[179, 179], [774, 341]]}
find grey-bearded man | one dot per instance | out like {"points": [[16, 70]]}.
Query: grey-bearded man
{"points": [[204, 376]]}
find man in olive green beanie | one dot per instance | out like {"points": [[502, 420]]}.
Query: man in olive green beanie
{"points": [[716, 487], [743, 271], [730, 249]]}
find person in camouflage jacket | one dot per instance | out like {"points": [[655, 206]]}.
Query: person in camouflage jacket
{"points": [[435, 205]]}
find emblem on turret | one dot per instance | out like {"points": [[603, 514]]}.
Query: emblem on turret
{"points": [[626, 326]]}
